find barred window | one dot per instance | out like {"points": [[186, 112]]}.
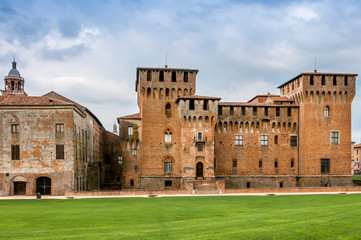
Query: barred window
{"points": [[59, 151], [293, 141], [14, 128], [325, 165], [59, 127], [15, 152], [239, 140], [264, 140]]}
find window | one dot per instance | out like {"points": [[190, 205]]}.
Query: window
{"points": [[59, 151], [15, 152], [168, 110], [107, 159], [191, 104], [276, 140], [174, 77], [335, 137], [327, 111], [248, 184], [14, 128], [200, 147], [266, 111], [161, 76], [185, 77], [243, 111], [264, 140], [346, 82], [292, 163], [276, 164], [234, 163], [231, 111], [59, 127], [323, 80], [168, 165], [130, 130], [325, 165], [260, 163], [334, 80], [168, 136], [239, 140], [311, 80], [149, 76], [277, 111], [131, 182], [293, 141], [289, 112], [168, 183], [134, 152], [254, 111], [205, 104], [219, 110]]}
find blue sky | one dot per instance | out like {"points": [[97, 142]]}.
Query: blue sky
{"points": [[89, 50]]}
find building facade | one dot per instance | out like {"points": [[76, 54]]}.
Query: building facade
{"points": [[178, 140], [50, 144]]}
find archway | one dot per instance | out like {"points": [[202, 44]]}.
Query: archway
{"points": [[43, 185], [199, 168]]}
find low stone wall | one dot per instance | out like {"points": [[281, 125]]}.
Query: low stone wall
{"points": [[127, 192]]}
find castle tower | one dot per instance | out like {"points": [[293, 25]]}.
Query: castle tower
{"points": [[14, 83], [324, 101]]}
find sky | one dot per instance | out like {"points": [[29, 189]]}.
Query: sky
{"points": [[88, 51]]}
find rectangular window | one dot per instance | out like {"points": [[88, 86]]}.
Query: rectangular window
{"points": [[191, 104], [200, 147], [174, 77], [243, 111], [293, 141], [325, 165], [59, 151], [277, 111], [14, 128], [161, 76], [168, 183], [134, 152], [289, 112], [205, 104], [231, 111], [130, 130], [185, 77], [219, 110], [239, 140], [346, 82], [292, 163], [311, 80], [276, 164], [149, 76], [200, 136], [323, 80], [260, 163], [234, 163], [254, 111], [335, 137], [266, 111], [264, 140], [334, 80], [59, 127], [15, 152]]}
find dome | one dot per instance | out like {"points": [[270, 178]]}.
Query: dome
{"points": [[14, 72]]}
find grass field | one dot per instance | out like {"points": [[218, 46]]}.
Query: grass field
{"points": [[223, 217], [356, 177]]}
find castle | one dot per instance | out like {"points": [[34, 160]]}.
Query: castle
{"points": [[179, 140]]}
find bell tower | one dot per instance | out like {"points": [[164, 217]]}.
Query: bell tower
{"points": [[14, 83]]}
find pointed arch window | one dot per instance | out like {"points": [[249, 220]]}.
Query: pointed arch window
{"points": [[327, 111], [168, 165], [168, 136]]}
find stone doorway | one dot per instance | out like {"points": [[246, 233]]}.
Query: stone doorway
{"points": [[19, 188], [199, 168], [43, 185]]}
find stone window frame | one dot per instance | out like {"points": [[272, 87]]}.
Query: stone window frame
{"points": [[335, 137], [59, 127]]}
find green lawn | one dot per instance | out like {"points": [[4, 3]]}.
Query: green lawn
{"points": [[356, 177], [223, 217]]}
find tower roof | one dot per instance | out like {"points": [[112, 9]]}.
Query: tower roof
{"points": [[14, 72]]}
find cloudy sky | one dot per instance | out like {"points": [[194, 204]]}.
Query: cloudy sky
{"points": [[88, 50]]}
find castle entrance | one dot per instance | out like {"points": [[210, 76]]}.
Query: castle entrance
{"points": [[43, 185], [199, 168], [19, 188]]}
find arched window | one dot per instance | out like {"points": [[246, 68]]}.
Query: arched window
{"points": [[168, 165], [168, 111], [327, 111], [168, 136]]}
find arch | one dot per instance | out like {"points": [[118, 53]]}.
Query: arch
{"points": [[225, 127], [199, 170], [179, 92], [257, 126], [43, 185], [231, 126], [284, 127], [184, 121], [273, 127], [194, 121], [241, 127], [200, 119], [173, 93], [168, 109], [236, 126], [168, 133], [311, 96], [334, 97], [148, 93], [137, 144], [168, 162], [155, 94], [289, 126], [339, 97], [294, 129], [345, 100], [317, 97], [161, 94], [278, 127], [326, 111], [167, 94], [252, 127], [220, 127], [246, 127], [189, 121], [206, 120], [276, 140], [185, 92]]}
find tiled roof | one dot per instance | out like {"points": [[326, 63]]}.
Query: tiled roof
{"points": [[133, 116], [357, 145], [22, 100]]}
